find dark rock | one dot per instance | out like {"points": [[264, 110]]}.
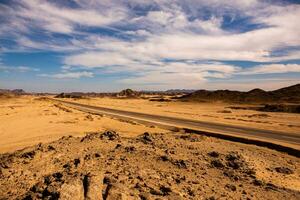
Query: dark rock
{"points": [[284, 170], [214, 154], [232, 156], [89, 117], [271, 186], [234, 160], [165, 190], [181, 164], [231, 175], [110, 135], [50, 148], [156, 192], [257, 182], [230, 187], [97, 155], [29, 154], [147, 138], [234, 164], [76, 162], [217, 164], [130, 149], [164, 158], [50, 193]]}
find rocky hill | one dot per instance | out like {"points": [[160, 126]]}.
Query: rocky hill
{"points": [[287, 94], [4, 93], [129, 93]]}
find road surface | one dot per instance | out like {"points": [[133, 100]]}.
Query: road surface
{"points": [[215, 129]]}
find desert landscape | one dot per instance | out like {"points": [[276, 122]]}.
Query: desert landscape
{"points": [[59, 152], [149, 100]]}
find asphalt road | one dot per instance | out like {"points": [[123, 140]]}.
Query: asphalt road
{"points": [[288, 139]]}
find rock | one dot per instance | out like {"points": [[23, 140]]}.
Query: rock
{"points": [[231, 175], [93, 185], [214, 154], [97, 155], [271, 186], [232, 156], [230, 187], [89, 117], [234, 164], [181, 163], [156, 192], [191, 137], [217, 164], [72, 190], [110, 135], [118, 192], [147, 138], [284, 170], [76, 162], [130, 149], [257, 182], [165, 190], [50, 148], [29, 155], [234, 160], [164, 158]]}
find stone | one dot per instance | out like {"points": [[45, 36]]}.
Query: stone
{"points": [[72, 190], [284, 170]]}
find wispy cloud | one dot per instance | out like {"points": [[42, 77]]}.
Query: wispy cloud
{"points": [[21, 69], [157, 42], [69, 75], [273, 69]]}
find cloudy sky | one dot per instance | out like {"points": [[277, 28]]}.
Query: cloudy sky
{"points": [[108, 45]]}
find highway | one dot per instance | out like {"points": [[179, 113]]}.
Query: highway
{"points": [[209, 128]]}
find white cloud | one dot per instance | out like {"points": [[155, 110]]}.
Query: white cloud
{"points": [[21, 69], [172, 30], [97, 59], [69, 75], [273, 69], [26, 16]]}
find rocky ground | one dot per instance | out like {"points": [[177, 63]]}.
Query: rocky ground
{"points": [[150, 166]]}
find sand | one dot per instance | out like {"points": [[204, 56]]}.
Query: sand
{"points": [[72, 156], [27, 121]]}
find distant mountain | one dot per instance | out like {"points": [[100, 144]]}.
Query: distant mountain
{"points": [[287, 94], [179, 91], [15, 91], [128, 93]]}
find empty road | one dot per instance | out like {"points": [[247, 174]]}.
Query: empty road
{"points": [[215, 129]]}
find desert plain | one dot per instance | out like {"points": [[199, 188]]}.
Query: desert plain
{"points": [[52, 151]]}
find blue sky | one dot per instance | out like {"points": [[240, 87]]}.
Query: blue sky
{"points": [[109, 45]]}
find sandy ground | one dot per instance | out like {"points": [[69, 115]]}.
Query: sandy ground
{"points": [[150, 166], [27, 121], [72, 158], [216, 112]]}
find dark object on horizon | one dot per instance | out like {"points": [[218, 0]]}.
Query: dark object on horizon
{"points": [[73, 95], [11, 93], [128, 93]]}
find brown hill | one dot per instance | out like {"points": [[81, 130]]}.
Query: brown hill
{"points": [[4, 93], [128, 93], [287, 94]]}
